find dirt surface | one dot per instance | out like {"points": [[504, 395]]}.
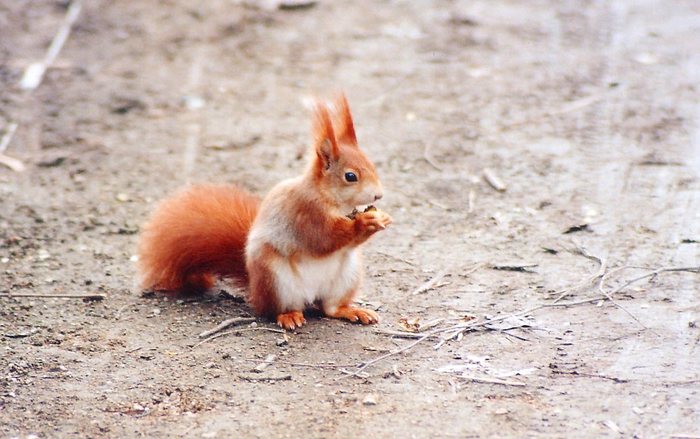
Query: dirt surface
{"points": [[587, 111]]}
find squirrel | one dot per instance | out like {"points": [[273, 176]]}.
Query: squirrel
{"points": [[297, 247]]}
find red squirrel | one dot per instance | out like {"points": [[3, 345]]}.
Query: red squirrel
{"points": [[295, 248]]}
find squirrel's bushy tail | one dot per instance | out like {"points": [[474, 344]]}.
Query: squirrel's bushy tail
{"points": [[196, 235]]}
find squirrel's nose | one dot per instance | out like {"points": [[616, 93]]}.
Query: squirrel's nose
{"points": [[378, 197]]}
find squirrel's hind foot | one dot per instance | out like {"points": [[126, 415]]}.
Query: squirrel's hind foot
{"points": [[355, 315]]}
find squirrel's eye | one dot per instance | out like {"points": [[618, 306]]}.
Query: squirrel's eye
{"points": [[350, 177]]}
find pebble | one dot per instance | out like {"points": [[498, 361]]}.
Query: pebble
{"points": [[370, 399], [282, 342]]}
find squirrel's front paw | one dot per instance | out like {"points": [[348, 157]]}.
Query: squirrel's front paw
{"points": [[291, 320], [372, 221]]}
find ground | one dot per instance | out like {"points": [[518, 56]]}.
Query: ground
{"points": [[587, 112]]}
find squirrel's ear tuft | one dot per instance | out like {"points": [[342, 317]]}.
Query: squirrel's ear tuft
{"points": [[343, 119], [326, 145]]}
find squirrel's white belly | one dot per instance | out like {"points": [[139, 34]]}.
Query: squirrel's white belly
{"points": [[309, 279]]}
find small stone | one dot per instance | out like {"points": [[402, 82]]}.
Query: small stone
{"points": [[282, 342], [370, 399], [122, 197], [155, 311]]}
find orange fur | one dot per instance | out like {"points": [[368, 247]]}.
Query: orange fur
{"points": [[262, 295], [196, 235], [346, 128]]}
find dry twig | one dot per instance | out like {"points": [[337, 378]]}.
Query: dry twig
{"points": [[524, 268], [7, 137], [569, 107], [254, 378], [95, 297], [34, 73], [310, 365], [389, 255], [428, 158], [458, 330], [602, 267], [492, 380], [226, 323], [471, 200], [430, 284], [236, 331]]}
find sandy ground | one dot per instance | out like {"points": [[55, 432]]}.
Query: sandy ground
{"points": [[587, 111]]}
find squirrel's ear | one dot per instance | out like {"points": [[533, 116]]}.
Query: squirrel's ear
{"points": [[343, 119], [326, 146]]}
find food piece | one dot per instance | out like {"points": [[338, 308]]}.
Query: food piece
{"points": [[354, 212]]}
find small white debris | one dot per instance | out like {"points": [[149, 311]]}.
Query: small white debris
{"points": [[646, 58], [370, 399], [612, 425], [262, 366], [478, 72], [494, 180], [192, 102], [32, 76]]}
